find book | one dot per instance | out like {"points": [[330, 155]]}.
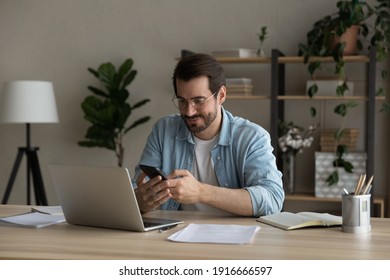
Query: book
{"points": [[239, 52], [289, 221]]}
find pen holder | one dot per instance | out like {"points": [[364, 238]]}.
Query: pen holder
{"points": [[356, 213]]}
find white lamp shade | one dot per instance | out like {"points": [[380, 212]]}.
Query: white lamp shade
{"points": [[28, 102]]}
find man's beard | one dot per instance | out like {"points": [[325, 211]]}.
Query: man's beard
{"points": [[195, 128]]}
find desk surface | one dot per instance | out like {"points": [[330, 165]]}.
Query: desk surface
{"points": [[65, 241]]}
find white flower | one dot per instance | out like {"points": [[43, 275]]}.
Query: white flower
{"points": [[295, 138]]}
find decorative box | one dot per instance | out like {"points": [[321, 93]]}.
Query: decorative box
{"points": [[324, 167]]}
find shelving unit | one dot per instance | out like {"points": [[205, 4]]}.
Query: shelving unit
{"points": [[278, 97]]}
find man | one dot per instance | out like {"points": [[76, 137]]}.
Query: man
{"points": [[215, 162]]}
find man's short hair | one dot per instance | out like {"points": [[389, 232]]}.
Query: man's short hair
{"points": [[197, 65]]}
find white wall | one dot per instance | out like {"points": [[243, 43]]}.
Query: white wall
{"points": [[57, 40]]}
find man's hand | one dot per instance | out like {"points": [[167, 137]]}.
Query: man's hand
{"points": [[151, 194], [185, 188]]}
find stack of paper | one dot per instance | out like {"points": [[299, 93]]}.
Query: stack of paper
{"points": [[239, 86], [35, 219]]}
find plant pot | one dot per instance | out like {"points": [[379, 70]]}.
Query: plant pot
{"points": [[350, 38]]}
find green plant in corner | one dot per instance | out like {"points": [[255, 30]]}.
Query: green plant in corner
{"points": [[108, 111], [373, 22]]}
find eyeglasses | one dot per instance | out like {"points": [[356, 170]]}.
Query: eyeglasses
{"points": [[198, 102]]}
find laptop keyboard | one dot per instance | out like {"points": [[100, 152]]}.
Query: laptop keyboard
{"points": [[150, 224]]}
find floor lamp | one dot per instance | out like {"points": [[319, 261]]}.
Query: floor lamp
{"points": [[28, 102]]}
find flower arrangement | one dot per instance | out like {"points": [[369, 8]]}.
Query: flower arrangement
{"points": [[293, 139]]}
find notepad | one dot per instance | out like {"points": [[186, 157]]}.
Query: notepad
{"points": [[289, 221], [33, 220]]}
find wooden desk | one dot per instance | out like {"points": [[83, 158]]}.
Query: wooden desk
{"points": [[66, 241]]}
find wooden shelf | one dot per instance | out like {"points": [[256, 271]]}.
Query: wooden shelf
{"points": [[260, 60], [248, 97], [290, 59], [301, 97], [323, 97], [299, 59]]}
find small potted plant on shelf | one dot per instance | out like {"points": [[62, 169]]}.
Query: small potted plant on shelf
{"points": [[108, 110], [262, 35], [328, 37]]}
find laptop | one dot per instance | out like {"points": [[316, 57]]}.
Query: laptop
{"points": [[101, 197]]}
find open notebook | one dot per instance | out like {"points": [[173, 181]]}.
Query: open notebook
{"points": [[101, 197]]}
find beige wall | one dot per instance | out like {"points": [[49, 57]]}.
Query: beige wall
{"points": [[57, 40]]}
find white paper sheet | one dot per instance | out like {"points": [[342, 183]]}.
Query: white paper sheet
{"points": [[213, 233]]}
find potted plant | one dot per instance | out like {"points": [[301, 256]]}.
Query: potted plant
{"points": [[107, 109], [372, 23], [262, 35]]}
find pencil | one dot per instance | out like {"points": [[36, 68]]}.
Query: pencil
{"points": [[366, 188], [362, 178]]}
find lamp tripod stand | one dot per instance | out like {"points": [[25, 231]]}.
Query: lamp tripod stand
{"points": [[32, 169]]}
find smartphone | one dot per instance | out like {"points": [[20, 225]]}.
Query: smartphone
{"points": [[152, 171]]}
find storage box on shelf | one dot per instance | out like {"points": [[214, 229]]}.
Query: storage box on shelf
{"points": [[328, 141], [324, 167]]}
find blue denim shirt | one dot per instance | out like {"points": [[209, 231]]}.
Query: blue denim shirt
{"points": [[242, 158]]}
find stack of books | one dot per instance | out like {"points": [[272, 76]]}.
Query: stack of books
{"points": [[239, 86], [328, 140]]}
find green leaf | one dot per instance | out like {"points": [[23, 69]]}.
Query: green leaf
{"points": [[333, 178], [341, 109], [125, 68], [313, 66], [385, 108], [137, 123], [98, 91], [128, 79], [94, 72], [107, 75], [312, 90], [313, 112], [341, 89], [340, 151], [140, 103], [348, 167], [122, 114]]}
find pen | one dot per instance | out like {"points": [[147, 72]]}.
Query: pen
{"points": [[345, 191]]}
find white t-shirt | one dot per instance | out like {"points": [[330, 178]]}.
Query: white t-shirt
{"points": [[203, 171]]}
